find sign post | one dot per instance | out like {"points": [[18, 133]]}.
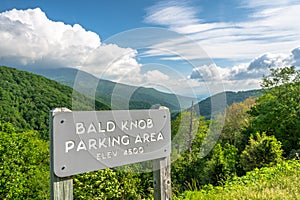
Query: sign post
{"points": [[162, 176], [162, 179], [60, 188], [84, 141]]}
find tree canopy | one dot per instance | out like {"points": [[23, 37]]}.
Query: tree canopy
{"points": [[277, 112], [26, 100]]}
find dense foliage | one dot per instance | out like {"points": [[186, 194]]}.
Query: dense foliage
{"points": [[261, 151], [190, 170], [26, 100], [256, 133], [24, 165], [278, 111], [111, 184], [278, 182]]}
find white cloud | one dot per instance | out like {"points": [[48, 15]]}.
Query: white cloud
{"points": [[209, 73], [267, 60], [29, 38], [246, 75], [266, 3], [156, 76], [271, 27], [114, 63], [294, 58], [170, 13], [260, 65], [177, 48]]}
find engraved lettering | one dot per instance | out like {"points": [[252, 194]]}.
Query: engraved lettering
{"points": [[80, 129], [69, 145]]}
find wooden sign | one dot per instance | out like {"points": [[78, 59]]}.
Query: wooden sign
{"points": [[86, 141]]}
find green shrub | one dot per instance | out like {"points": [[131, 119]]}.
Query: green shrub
{"points": [[222, 165], [261, 151]]}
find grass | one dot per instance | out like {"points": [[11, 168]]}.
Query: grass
{"points": [[279, 182]]}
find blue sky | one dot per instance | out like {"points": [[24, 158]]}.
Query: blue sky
{"points": [[195, 47], [111, 17]]}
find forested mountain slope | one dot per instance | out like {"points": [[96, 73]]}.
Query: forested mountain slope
{"points": [[26, 99], [139, 97], [221, 100]]}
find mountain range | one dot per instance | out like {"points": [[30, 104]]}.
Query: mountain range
{"points": [[24, 95], [121, 96], [115, 95]]}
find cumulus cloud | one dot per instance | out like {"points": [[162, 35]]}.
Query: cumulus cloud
{"points": [[266, 60], [295, 57], [246, 75], [209, 73], [112, 62], [156, 76], [259, 66], [29, 38]]}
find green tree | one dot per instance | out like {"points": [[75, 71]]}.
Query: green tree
{"points": [[188, 166], [222, 165], [261, 151], [237, 119], [24, 165], [280, 76], [278, 111]]}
